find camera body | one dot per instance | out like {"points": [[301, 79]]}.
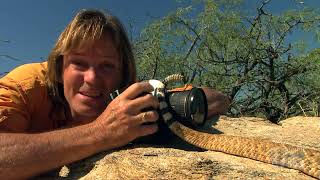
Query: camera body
{"points": [[187, 104]]}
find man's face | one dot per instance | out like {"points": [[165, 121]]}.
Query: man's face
{"points": [[89, 75]]}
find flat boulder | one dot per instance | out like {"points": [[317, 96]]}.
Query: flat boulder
{"points": [[179, 160]]}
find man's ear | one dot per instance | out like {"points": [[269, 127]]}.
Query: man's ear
{"points": [[60, 79], [59, 67]]}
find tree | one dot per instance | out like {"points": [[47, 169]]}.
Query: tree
{"points": [[249, 57]]}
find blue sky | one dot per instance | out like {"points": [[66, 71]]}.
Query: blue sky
{"points": [[32, 27]]}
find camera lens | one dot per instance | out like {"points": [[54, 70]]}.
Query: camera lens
{"points": [[197, 106], [189, 106]]}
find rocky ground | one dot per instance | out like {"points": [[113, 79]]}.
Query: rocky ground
{"points": [[178, 160]]}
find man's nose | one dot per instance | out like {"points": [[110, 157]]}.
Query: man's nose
{"points": [[91, 75]]}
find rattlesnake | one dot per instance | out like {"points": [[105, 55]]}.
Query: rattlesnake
{"points": [[302, 159]]}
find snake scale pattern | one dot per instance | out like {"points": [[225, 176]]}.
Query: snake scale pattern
{"points": [[302, 159]]}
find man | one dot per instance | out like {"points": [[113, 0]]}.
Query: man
{"points": [[57, 112]]}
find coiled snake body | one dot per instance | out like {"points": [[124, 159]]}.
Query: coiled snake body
{"points": [[302, 159]]}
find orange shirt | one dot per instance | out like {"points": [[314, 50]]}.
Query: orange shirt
{"points": [[24, 102]]}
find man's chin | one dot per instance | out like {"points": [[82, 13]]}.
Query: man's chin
{"points": [[89, 113]]}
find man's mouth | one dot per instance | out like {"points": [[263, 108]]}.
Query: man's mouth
{"points": [[91, 94], [92, 99]]}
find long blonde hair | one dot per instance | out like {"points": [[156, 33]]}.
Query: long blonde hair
{"points": [[85, 28]]}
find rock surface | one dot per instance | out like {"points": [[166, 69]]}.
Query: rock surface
{"points": [[178, 160]]}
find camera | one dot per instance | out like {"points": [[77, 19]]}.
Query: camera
{"points": [[187, 105]]}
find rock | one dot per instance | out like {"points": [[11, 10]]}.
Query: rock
{"points": [[178, 160]]}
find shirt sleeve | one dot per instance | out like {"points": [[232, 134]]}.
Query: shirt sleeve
{"points": [[14, 112]]}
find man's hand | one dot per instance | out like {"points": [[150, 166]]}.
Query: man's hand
{"points": [[124, 118], [218, 103]]}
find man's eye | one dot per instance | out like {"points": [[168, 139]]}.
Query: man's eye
{"points": [[108, 67], [79, 64]]}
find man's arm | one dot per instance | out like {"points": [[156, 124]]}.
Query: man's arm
{"points": [[218, 103], [25, 155]]}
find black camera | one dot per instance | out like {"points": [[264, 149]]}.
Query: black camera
{"points": [[189, 107]]}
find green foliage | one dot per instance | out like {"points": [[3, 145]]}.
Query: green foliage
{"points": [[250, 58]]}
